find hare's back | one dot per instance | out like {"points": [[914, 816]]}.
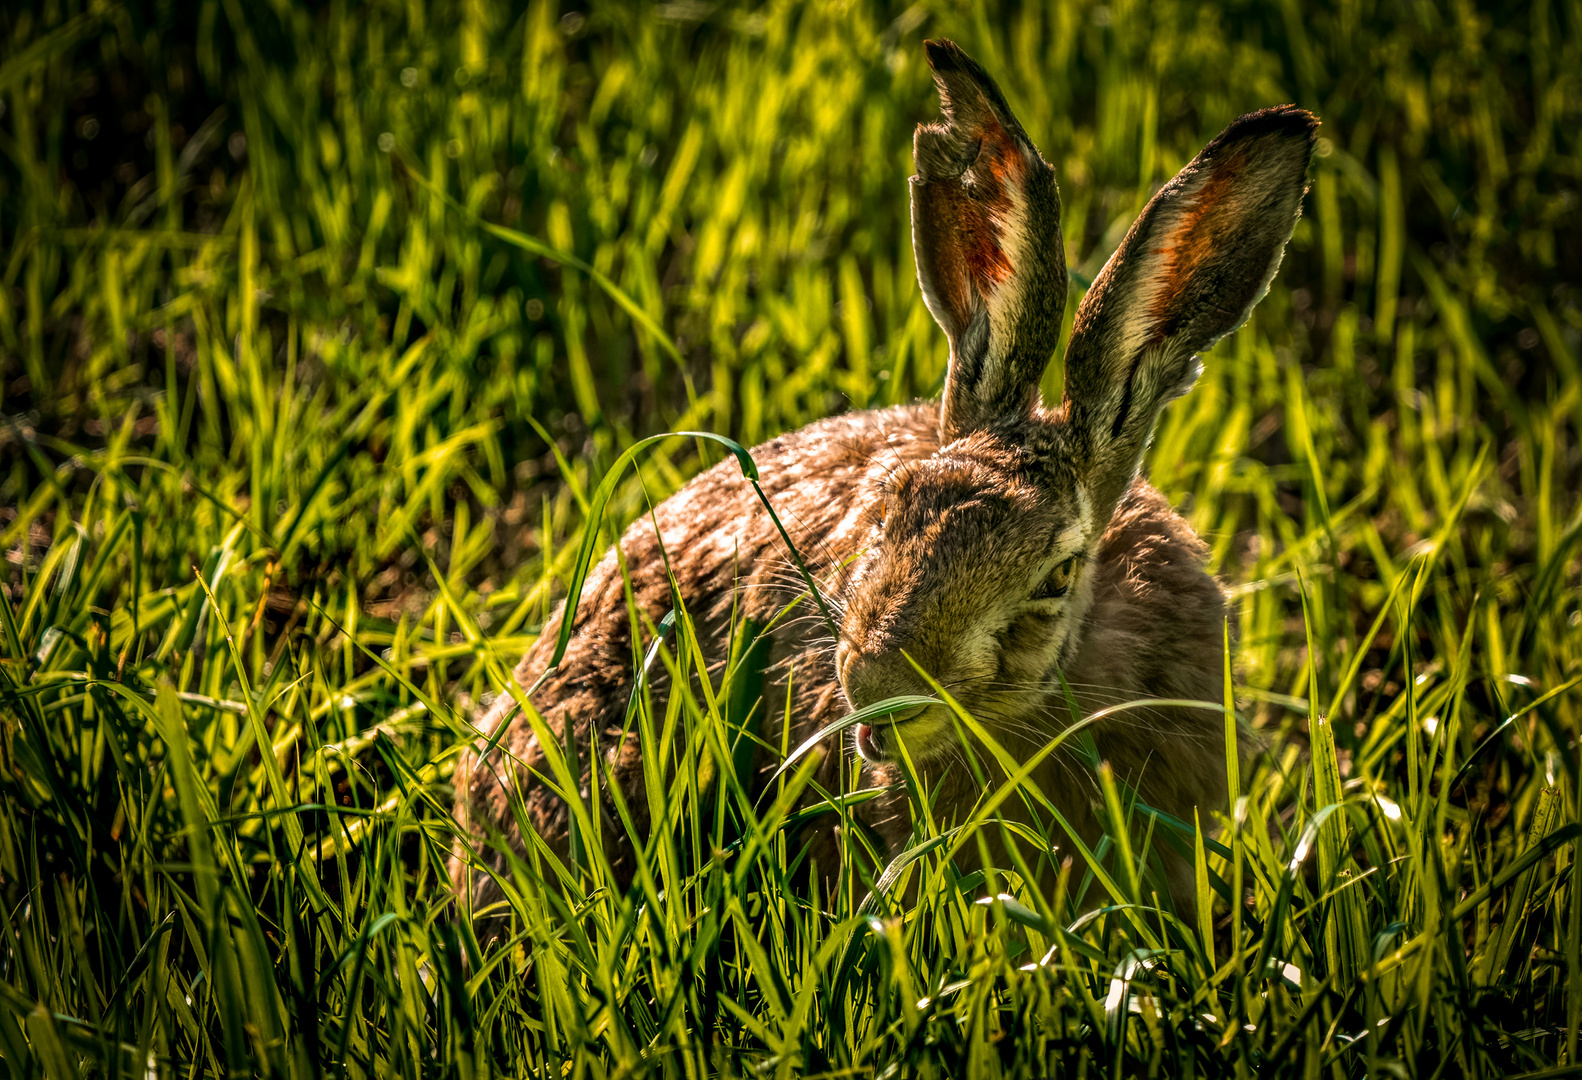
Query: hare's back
{"points": [[724, 552]]}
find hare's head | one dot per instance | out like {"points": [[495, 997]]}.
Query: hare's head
{"points": [[975, 567]]}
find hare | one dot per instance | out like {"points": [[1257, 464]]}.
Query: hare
{"points": [[1003, 546]]}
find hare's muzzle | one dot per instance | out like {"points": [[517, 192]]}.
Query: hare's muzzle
{"points": [[870, 677]]}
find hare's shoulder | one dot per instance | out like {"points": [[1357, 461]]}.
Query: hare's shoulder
{"points": [[1148, 543], [1156, 630], [1156, 624]]}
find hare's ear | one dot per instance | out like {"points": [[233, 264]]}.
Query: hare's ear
{"points": [[986, 235], [1190, 270]]}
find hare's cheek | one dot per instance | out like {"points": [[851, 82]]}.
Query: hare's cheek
{"points": [[1029, 643]]}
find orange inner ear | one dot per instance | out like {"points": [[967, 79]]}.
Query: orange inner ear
{"points": [[1000, 152], [1195, 237], [942, 222], [958, 235]]}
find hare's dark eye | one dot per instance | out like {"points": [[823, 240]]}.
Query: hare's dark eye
{"points": [[1058, 582], [884, 505]]}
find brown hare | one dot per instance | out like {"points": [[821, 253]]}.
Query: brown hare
{"points": [[1009, 549]]}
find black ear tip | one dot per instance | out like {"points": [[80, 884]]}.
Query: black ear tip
{"points": [[961, 79], [1287, 120], [1297, 121], [943, 54]]}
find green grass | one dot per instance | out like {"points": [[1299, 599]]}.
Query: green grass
{"points": [[283, 333]]}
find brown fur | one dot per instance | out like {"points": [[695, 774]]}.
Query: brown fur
{"points": [[999, 546]]}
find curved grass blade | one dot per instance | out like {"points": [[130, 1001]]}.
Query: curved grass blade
{"points": [[876, 711]]}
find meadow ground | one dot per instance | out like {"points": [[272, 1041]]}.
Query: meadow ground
{"points": [[320, 326]]}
